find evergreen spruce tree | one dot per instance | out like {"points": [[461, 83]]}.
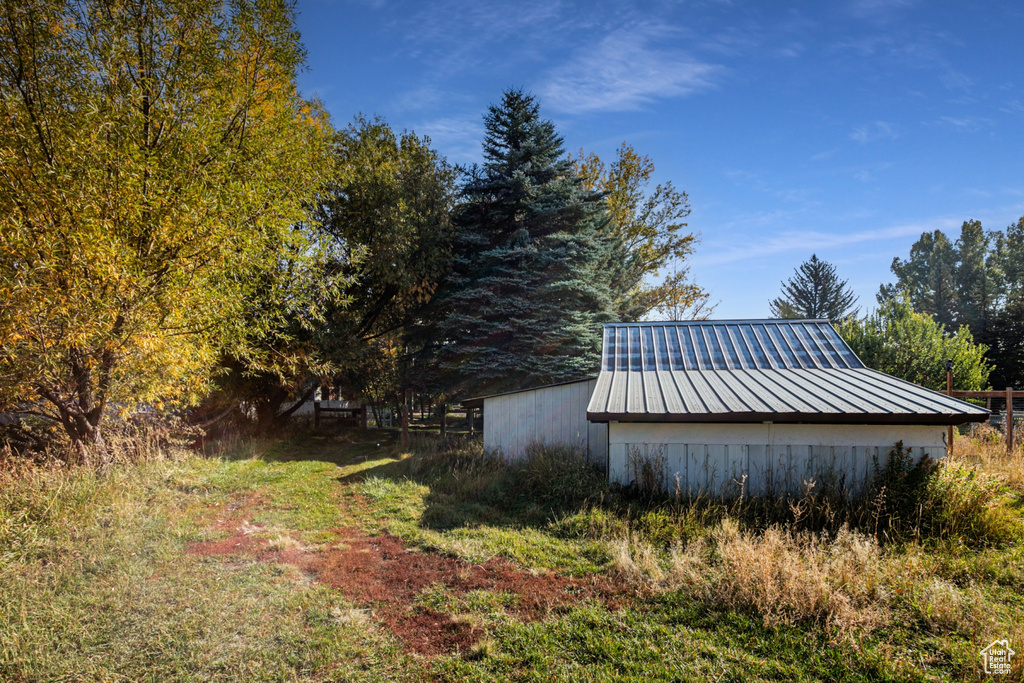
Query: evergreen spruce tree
{"points": [[977, 282], [1005, 339], [929, 277], [524, 303], [977, 278], [814, 291]]}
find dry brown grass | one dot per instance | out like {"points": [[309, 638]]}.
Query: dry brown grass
{"points": [[783, 576], [986, 447]]}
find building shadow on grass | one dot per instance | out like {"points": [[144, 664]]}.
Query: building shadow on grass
{"points": [[467, 488]]}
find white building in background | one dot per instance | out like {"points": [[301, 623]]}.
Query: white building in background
{"points": [[551, 414], [720, 406]]}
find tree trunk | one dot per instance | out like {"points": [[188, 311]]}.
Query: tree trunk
{"points": [[266, 410], [298, 404], [81, 423]]}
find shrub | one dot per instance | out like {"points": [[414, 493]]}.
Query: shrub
{"points": [[925, 500], [898, 493], [556, 476]]}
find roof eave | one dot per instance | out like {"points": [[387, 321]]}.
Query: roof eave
{"points": [[478, 401], [934, 419]]}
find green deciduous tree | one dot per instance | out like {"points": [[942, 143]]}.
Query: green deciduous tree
{"points": [[390, 207], [384, 227], [649, 237], [525, 300], [390, 210], [897, 340], [814, 291], [155, 157]]}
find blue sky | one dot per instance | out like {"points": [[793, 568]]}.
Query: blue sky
{"points": [[842, 128]]}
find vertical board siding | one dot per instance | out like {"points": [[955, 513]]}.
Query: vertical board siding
{"points": [[757, 467], [548, 415]]}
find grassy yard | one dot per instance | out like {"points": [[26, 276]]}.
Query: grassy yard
{"points": [[341, 557]]}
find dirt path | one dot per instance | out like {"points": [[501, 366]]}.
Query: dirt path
{"points": [[382, 574]]}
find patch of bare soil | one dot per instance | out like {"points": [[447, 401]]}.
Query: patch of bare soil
{"points": [[381, 573]]}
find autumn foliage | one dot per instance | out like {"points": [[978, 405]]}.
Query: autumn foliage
{"points": [[154, 158]]}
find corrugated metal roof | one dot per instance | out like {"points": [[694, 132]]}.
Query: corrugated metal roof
{"points": [[753, 371]]}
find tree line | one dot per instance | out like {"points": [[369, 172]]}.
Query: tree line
{"points": [[957, 299], [182, 229]]}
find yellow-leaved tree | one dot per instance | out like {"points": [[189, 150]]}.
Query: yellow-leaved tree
{"points": [[155, 160], [648, 264]]}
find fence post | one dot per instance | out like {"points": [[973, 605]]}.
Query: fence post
{"points": [[316, 413], [1009, 420], [949, 392], [405, 424]]}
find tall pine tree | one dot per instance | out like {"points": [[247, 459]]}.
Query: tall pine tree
{"points": [[977, 278], [524, 303], [929, 277], [977, 282], [814, 291]]}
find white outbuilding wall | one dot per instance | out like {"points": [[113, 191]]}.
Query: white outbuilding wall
{"points": [[554, 415], [715, 458]]}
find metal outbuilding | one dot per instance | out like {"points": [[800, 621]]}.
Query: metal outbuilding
{"points": [[743, 405], [551, 414]]}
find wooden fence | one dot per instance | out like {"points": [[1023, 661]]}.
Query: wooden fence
{"points": [[1008, 394], [353, 415]]}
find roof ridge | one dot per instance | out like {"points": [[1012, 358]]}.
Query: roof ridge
{"points": [[759, 321]]}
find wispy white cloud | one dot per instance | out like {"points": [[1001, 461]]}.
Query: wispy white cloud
{"points": [[795, 195], [809, 240], [624, 71], [867, 173], [879, 130], [911, 46], [967, 124], [457, 137], [459, 35], [825, 155], [879, 10], [1012, 107]]}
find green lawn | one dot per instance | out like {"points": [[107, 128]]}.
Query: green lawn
{"points": [[337, 557]]}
